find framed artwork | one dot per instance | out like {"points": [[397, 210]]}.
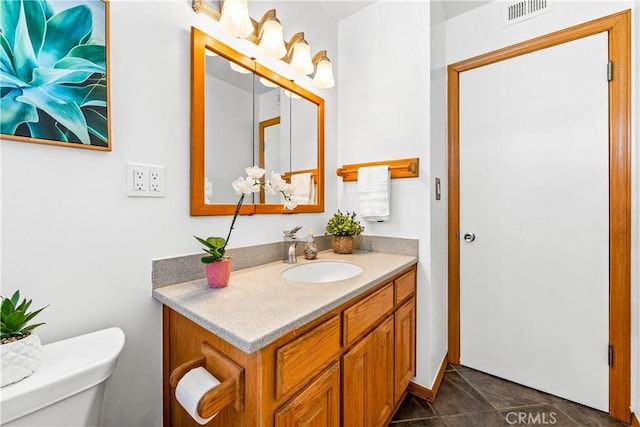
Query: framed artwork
{"points": [[54, 74]]}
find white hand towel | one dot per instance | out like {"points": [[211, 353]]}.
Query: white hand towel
{"points": [[302, 183], [374, 186]]}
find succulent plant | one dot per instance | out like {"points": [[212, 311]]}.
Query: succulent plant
{"points": [[15, 317], [344, 224]]}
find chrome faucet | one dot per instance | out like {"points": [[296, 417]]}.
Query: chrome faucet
{"points": [[290, 243]]}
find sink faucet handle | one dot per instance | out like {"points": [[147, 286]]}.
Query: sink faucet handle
{"points": [[292, 233]]}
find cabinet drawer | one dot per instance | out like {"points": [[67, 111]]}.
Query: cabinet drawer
{"points": [[363, 315], [405, 286], [303, 358]]}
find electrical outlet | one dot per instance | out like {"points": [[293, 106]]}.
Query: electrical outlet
{"points": [[155, 181], [145, 180], [140, 179]]}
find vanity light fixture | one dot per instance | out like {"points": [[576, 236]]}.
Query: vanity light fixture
{"points": [[268, 83], [235, 18], [238, 68], [299, 52], [324, 71], [270, 35], [291, 94]]}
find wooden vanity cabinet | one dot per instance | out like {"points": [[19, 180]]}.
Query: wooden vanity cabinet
{"points": [[350, 367], [368, 379]]}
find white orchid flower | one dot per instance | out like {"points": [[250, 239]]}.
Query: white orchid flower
{"points": [[243, 185], [268, 188], [276, 182], [288, 189], [290, 204], [255, 172]]}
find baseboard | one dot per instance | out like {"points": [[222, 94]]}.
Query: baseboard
{"points": [[635, 421], [429, 394]]}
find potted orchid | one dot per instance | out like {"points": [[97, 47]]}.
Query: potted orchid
{"points": [[217, 265]]}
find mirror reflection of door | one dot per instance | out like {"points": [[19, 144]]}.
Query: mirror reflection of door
{"points": [[270, 153]]}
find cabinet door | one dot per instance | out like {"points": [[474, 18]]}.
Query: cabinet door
{"points": [[318, 405], [405, 347], [367, 382], [382, 375]]}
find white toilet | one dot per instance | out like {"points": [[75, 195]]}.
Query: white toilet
{"points": [[67, 388]]}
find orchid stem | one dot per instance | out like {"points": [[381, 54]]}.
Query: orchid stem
{"points": [[235, 215]]}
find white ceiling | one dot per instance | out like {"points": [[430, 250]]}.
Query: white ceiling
{"points": [[341, 9]]}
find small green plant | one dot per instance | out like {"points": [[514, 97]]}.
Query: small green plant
{"points": [[16, 318], [215, 247], [344, 224]]}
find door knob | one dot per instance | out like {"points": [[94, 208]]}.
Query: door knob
{"points": [[469, 237]]}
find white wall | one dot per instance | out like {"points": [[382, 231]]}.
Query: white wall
{"points": [[73, 240], [480, 31], [228, 135], [384, 103]]}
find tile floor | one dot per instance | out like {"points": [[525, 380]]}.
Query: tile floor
{"points": [[469, 398]]}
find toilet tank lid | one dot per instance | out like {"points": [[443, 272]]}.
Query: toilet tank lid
{"points": [[67, 367]]}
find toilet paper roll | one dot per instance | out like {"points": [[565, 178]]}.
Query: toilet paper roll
{"points": [[191, 387]]}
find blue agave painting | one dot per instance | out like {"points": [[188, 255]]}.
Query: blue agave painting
{"points": [[53, 73]]}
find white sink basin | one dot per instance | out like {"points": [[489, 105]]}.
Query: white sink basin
{"points": [[322, 272]]}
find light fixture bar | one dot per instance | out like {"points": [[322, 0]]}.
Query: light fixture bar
{"points": [[296, 50]]}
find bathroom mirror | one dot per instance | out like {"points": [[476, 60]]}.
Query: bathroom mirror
{"points": [[244, 114]]}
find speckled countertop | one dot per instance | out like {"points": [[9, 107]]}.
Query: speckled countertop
{"points": [[259, 305]]}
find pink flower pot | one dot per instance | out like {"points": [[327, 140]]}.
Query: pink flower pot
{"points": [[218, 273]]}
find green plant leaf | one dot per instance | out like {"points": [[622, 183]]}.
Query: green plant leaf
{"points": [[24, 55], [208, 259], [33, 314], [9, 15], [49, 76], [78, 64], [6, 57], [36, 23], [97, 124], [94, 53], [216, 242], [10, 81], [46, 128], [31, 327], [65, 30], [14, 113], [15, 298], [67, 113]]}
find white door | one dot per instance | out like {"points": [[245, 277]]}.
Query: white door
{"points": [[534, 190]]}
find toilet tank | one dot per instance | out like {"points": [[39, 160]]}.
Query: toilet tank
{"points": [[68, 382]]}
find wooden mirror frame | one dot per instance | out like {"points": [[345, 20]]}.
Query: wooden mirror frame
{"points": [[200, 41]]}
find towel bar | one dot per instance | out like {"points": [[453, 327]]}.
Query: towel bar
{"points": [[402, 168]]}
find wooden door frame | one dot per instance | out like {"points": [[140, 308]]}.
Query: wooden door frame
{"points": [[619, 28]]}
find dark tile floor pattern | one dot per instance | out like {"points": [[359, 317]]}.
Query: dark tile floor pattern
{"points": [[469, 398]]}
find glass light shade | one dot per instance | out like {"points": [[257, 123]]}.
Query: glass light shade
{"points": [[235, 18], [239, 68], [271, 42], [324, 75], [301, 59], [291, 94], [267, 83]]}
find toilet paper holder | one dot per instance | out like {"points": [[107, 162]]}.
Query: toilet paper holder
{"points": [[229, 373]]}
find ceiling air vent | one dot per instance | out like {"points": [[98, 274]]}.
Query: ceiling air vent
{"points": [[514, 12]]}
